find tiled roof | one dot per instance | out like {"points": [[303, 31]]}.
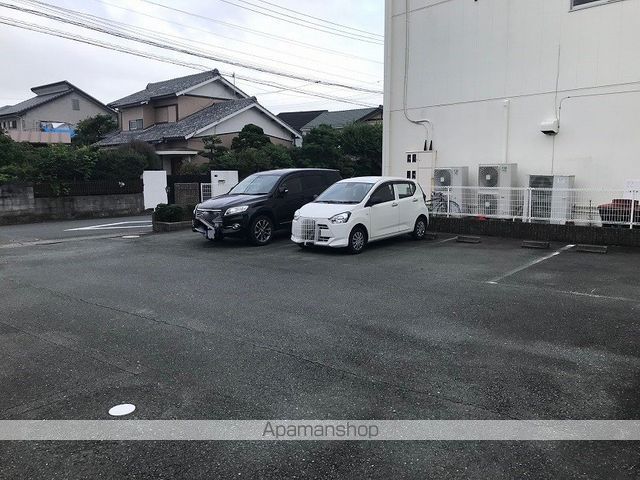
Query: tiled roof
{"points": [[165, 88], [31, 103], [340, 119], [183, 128], [298, 120]]}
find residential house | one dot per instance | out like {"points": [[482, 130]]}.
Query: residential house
{"points": [[342, 118], [549, 85], [175, 115], [299, 119], [51, 115]]}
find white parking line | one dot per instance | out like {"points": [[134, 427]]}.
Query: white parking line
{"points": [[565, 292], [530, 264], [113, 226]]}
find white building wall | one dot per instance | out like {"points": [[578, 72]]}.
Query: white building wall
{"points": [[155, 188], [215, 90], [485, 73], [254, 116], [222, 181], [61, 110]]}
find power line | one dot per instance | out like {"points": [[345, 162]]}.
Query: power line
{"points": [[101, 21], [306, 23], [187, 51], [209, 32], [315, 18], [246, 29], [113, 47]]}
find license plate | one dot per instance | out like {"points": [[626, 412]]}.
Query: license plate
{"points": [[211, 232]]}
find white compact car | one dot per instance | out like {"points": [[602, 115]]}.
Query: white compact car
{"points": [[353, 212]]}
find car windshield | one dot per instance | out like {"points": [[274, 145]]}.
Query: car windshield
{"points": [[255, 185], [345, 192]]}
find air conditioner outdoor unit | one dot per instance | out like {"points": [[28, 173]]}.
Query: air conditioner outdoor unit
{"points": [[495, 190], [551, 202], [451, 179]]}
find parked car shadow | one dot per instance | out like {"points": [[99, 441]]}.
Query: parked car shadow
{"points": [[279, 238], [371, 247]]}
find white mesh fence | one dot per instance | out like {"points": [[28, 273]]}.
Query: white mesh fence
{"points": [[205, 191], [541, 205]]}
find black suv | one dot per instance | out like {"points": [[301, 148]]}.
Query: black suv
{"points": [[261, 204]]}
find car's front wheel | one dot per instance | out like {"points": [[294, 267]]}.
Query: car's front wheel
{"points": [[420, 229], [357, 240], [261, 230]]}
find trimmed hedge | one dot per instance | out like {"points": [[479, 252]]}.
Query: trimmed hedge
{"points": [[173, 213]]}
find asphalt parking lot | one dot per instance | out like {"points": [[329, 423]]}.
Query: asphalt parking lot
{"points": [[188, 329]]}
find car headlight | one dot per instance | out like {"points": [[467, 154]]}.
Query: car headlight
{"points": [[296, 215], [234, 210], [340, 218]]}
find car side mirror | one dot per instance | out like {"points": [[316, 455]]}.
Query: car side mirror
{"points": [[282, 191], [372, 202], [315, 196]]}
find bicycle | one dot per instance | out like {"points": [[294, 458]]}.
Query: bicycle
{"points": [[440, 204]]}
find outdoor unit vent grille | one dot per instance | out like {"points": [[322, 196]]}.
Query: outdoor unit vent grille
{"points": [[487, 204], [488, 176], [541, 181], [551, 201], [442, 177]]}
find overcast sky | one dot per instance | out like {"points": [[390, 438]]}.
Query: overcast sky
{"points": [[31, 58]]}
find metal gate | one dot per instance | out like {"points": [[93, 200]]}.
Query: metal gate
{"points": [[185, 192]]}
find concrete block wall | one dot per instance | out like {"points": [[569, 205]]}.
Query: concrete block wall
{"points": [[18, 205], [623, 236]]}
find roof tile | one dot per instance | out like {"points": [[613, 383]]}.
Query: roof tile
{"points": [[165, 88], [183, 128]]}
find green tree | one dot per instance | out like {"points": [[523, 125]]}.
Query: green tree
{"points": [[16, 160], [194, 168], [119, 164], [251, 136], [61, 164], [363, 143], [152, 159], [321, 149], [213, 148], [93, 129]]}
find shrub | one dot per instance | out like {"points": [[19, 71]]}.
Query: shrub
{"points": [[120, 164], [152, 159], [93, 129], [194, 169], [168, 213]]}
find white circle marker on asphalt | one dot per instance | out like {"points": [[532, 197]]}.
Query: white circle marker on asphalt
{"points": [[130, 236], [121, 410]]}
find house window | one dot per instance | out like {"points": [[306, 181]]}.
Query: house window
{"points": [[75, 104], [578, 4], [13, 124], [411, 174], [135, 124]]}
